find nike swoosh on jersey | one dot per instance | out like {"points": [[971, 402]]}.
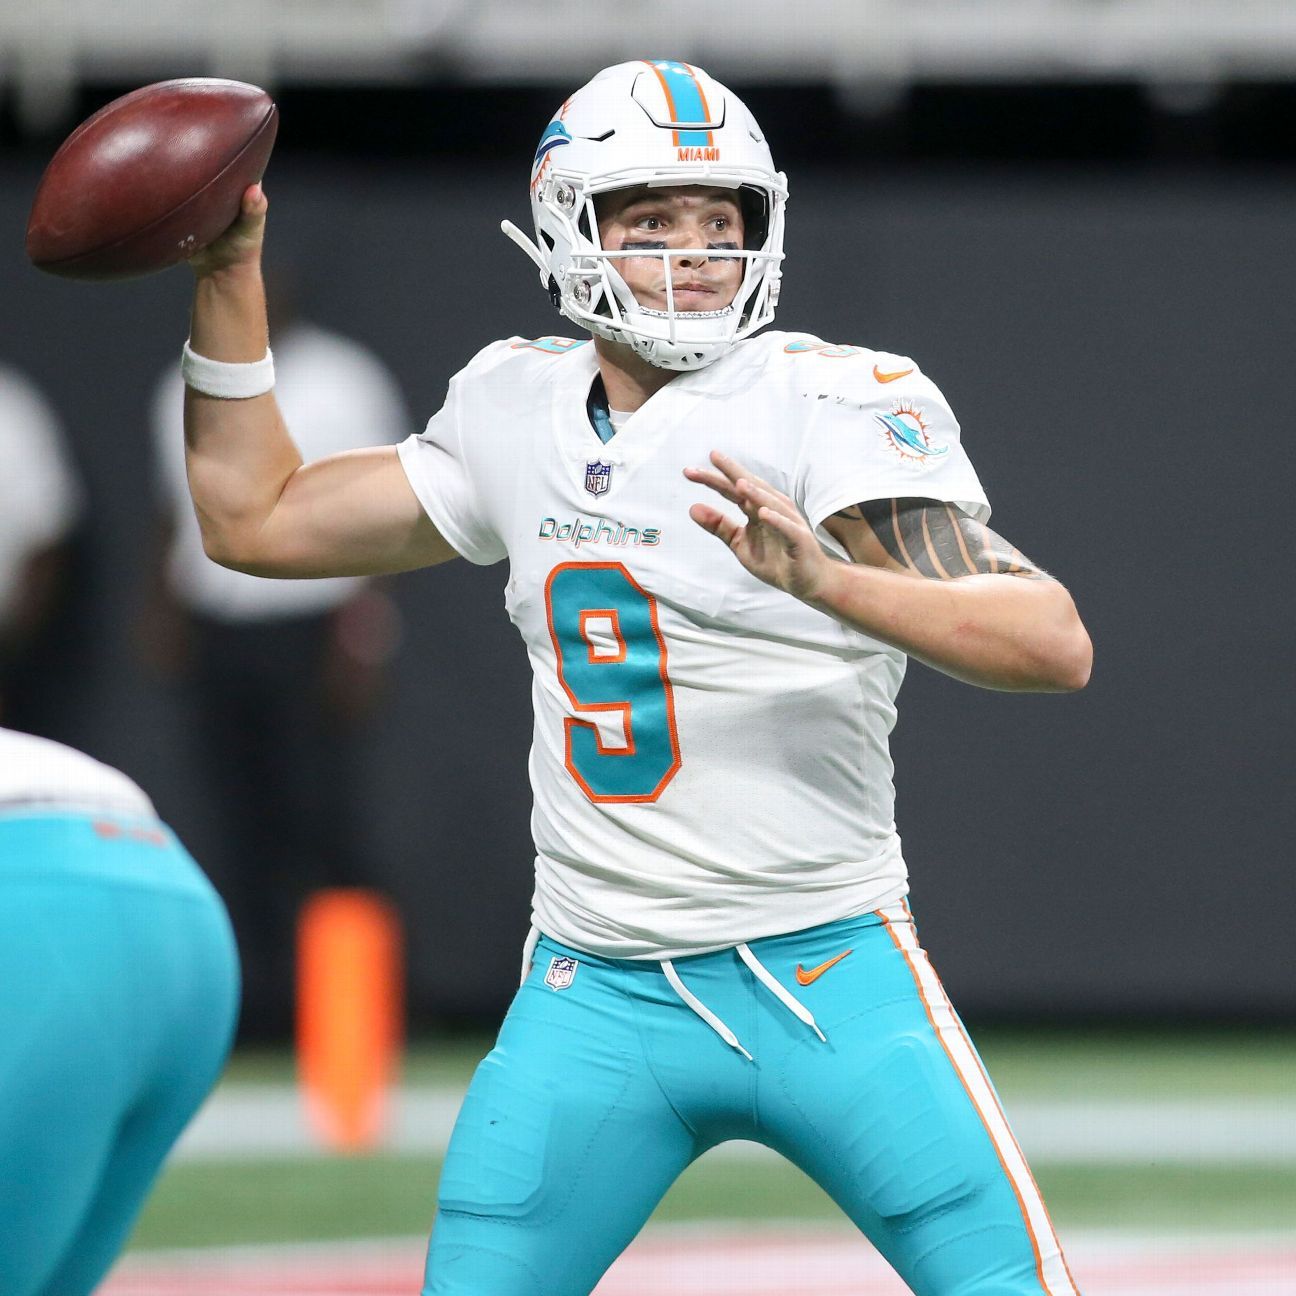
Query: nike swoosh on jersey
{"points": [[889, 377], [807, 978]]}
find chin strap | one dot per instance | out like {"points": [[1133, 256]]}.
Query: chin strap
{"points": [[514, 234]]}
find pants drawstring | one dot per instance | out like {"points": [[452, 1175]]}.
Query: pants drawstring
{"points": [[757, 968], [528, 953], [701, 1009], [779, 991], [765, 977]]}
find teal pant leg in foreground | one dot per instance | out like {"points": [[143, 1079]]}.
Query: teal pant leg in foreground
{"points": [[120, 998]]}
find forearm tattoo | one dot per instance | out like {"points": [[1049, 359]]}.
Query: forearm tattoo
{"points": [[939, 541]]}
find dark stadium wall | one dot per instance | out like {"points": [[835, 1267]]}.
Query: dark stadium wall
{"points": [[1117, 347]]}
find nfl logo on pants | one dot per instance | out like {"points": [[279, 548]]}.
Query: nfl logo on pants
{"points": [[560, 974], [598, 477]]}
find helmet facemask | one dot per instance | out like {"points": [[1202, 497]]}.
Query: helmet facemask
{"points": [[583, 277], [593, 293]]}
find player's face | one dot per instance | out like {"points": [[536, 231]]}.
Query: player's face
{"points": [[685, 216]]}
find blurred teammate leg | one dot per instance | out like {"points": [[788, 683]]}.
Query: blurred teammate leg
{"points": [[122, 989], [60, 1099], [200, 965]]}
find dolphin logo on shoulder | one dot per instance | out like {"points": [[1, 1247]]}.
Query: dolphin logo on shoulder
{"points": [[905, 431]]}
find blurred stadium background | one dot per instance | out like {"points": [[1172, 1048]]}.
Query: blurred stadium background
{"points": [[1078, 216]]}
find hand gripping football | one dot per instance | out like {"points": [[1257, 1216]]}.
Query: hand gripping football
{"points": [[150, 179]]}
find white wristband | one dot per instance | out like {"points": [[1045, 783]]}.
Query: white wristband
{"points": [[228, 381]]}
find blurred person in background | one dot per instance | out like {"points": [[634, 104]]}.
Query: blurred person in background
{"points": [[721, 946], [40, 505], [120, 995], [281, 678]]}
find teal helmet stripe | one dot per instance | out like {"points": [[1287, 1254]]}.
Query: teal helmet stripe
{"points": [[687, 102]]}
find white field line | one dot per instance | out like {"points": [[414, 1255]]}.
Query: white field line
{"points": [[721, 1260], [264, 1122]]}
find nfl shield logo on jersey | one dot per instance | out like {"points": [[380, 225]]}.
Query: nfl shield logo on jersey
{"points": [[561, 972], [598, 477]]}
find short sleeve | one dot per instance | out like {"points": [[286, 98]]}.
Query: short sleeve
{"points": [[435, 463], [871, 440]]}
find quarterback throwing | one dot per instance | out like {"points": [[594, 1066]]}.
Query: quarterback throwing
{"points": [[723, 548]]}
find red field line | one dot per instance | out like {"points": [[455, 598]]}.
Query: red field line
{"points": [[803, 1262]]}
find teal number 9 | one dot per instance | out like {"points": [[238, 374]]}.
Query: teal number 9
{"points": [[611, 661]]}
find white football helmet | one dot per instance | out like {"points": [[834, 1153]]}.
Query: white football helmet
{"points": [[655, 123]]}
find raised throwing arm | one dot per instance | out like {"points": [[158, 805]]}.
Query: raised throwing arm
{"points": [[260, 509]]}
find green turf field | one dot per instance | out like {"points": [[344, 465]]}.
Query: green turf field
{"points": [[1157, 1064], [310, 1198]]}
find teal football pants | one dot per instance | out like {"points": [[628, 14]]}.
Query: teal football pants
{"points": [[120, 994], [605, 1084]]}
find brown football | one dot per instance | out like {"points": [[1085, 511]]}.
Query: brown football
{"points": [[150, 179]]}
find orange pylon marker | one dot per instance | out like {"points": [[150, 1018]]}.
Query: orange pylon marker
{"points": [[350, 1008]]}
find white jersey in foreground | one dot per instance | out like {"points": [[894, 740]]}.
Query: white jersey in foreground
{"points": [[37, 774], [710, 761]]}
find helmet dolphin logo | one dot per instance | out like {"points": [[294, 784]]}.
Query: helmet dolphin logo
{"points": [[555, 135]]}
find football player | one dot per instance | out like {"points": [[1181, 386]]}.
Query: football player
{"points": [[121, 990], [721, 944]]}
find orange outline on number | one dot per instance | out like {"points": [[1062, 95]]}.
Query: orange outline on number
{"points": [[623, 707], [615, 618]]}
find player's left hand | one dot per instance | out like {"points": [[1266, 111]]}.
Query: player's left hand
{"points": [[776, 545]]}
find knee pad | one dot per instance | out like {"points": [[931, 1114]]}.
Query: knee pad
{"points": [[456, 1270]]}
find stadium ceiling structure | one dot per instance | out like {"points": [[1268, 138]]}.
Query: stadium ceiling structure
{"points": [[870, 49]]}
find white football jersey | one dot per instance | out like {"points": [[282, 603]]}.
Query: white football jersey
{"points": [[710, 761], [37, 774]]}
